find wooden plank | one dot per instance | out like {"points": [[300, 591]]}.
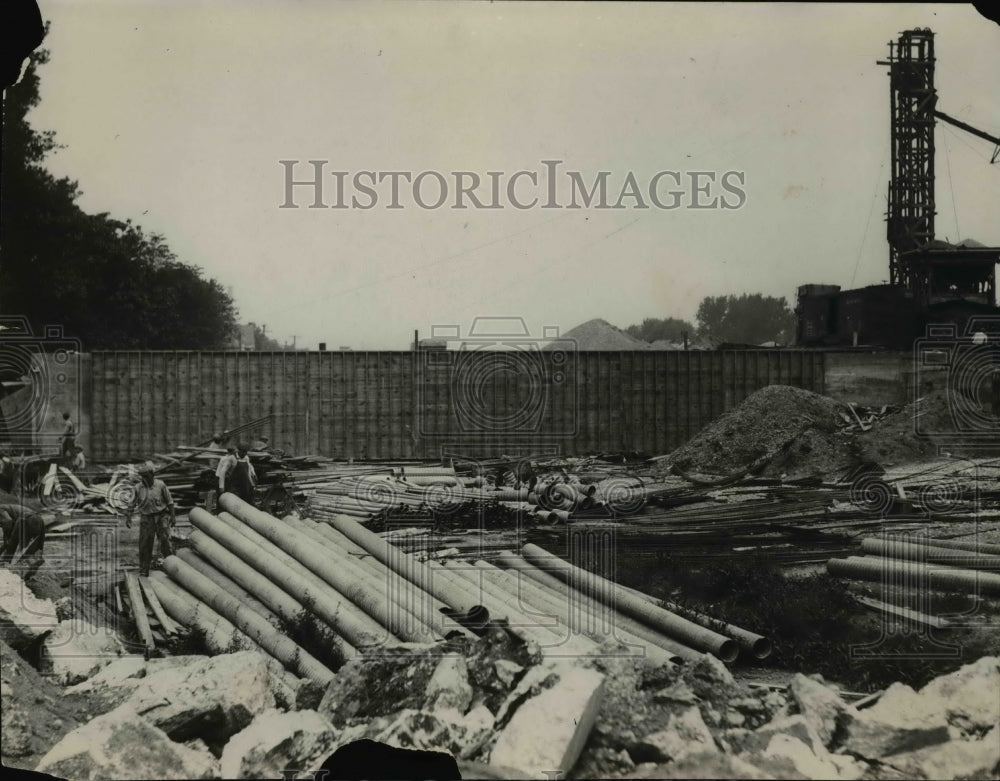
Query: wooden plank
{"points": [[165, 621], [139, 609], [905, 613]]}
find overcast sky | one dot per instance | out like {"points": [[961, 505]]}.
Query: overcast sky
{"points": [[176, 114]]}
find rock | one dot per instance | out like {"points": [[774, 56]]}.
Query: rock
{"points": [[123, 745], [848, 768], [449, 685], [291, 692], [679, 691], [24, 618], [702, 766], [900, 721], [821, 706], [212, 699], [806, 762], [275, 742], [954, 759], [128, 671], [758, 740], [969, 696], [507, 671], [32, 718], [733, 718], [536, 680], [412, 729], [76, 650], [548, 732], [65, 610], [684, 735], [712, 670]]}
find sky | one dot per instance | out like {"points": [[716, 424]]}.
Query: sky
{"points": [[775, 118]]}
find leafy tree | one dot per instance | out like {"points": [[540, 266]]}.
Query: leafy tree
{"points": [[746, 319], [107, 282], [669, 329]]}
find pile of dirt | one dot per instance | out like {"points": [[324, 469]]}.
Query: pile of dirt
{"points": [[756, 433], [920, 429], [598, 334]]}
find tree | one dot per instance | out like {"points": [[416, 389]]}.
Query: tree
{"points": [[746, 319], [668, 329], [106, 282]]}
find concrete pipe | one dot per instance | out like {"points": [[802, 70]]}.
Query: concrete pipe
{"points": [[306, 551], [223, 581], [587, 606], [329, 605], [551, 642], [548, 602], [220, 635], [437, 612], [976, 548], [930, 554], [913, 573], [389, 608], [681, 629], [281, 647], [758, 646], [464, 607], [367, 589]]}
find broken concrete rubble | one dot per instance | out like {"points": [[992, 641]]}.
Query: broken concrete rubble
{"points": [[900, 721], [685, 735], [448, 686], [820, 705], [969, 697], [275, 742], [567, 710], [210, 699], [123, 745], [976, 758], [76, 650], [24, 618]]}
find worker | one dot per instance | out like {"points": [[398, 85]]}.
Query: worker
{"points": [[79, 462], [23, 530], [68, 436], [242, 477], [156, 517], [226, 465]]}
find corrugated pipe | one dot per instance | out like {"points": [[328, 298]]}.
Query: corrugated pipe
{"points": [[335, 605], [281, 647], [624, 626], [934, 575], [551, 643], [983, 548], [439, 618], [219, 578], [675, 626], [921, 552], [466, 609], [219, 633], [374, 596], [549, 602], [368, 589]]}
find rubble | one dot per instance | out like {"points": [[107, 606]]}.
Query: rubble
{"points": [[821, 707], [568, 711], [210, 699], [24, 619], [274, 742], [123, 745], [76, 650], [900, 721]]}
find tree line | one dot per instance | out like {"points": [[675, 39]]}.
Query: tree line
{"points": [[106, 281], [751, 318]]}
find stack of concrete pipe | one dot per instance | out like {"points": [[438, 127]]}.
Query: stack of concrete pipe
{"points": [[924, 563], [315, 594]]}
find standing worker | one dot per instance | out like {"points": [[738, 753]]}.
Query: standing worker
{"points": [[156, 517], [23, 530], [226, 465], [242, 477], [68, 437]]}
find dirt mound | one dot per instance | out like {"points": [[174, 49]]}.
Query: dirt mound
{"points": [[920, 429], [758, 430], [599, 334]]}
